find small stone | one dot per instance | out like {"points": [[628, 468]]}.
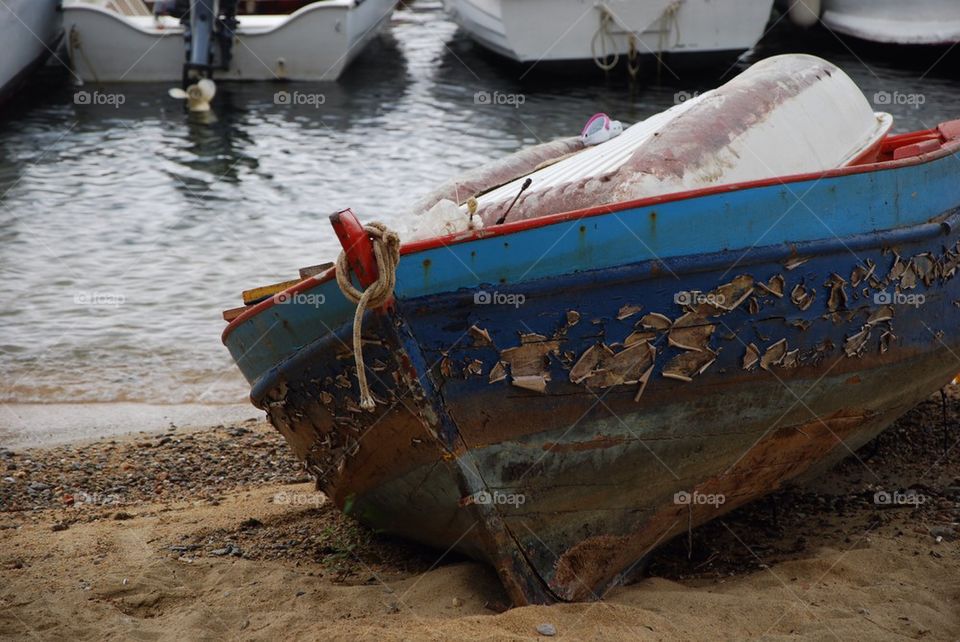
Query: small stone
{"points": [[941, 533], [122, 515], [547, 630], [457, 602], [59, 526]]}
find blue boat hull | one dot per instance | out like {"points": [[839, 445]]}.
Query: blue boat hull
{"points": [[575, 409]]}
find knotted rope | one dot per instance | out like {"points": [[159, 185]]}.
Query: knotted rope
{"points": [[605, 35], [386, 249]]}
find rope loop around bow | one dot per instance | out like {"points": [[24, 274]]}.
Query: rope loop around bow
{"points": [[386, 250]]}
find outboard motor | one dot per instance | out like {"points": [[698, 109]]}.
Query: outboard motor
{"points": [[210, 27]]}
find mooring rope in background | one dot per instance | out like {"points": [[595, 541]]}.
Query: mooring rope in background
{"points": [[604, 35], [386, 249]]}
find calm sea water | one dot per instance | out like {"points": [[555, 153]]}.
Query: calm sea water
{"points": [[125, 230]]}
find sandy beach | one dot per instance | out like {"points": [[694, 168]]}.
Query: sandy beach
{"points": [[217, 533]]}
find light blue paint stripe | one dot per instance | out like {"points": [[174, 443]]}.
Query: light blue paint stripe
{"points": [[808, 210]]}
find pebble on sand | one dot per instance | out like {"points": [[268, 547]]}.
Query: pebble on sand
{"points": [[547, 629]]}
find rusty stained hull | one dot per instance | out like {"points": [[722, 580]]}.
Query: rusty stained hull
{"points": [[606, 393]]}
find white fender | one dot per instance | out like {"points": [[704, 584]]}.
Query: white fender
{"points": [[805, 13]]}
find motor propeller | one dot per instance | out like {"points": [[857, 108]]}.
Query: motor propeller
{"points": [[197, 95]]}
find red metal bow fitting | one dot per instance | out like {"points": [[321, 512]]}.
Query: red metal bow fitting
{"points": [[357, 245]]}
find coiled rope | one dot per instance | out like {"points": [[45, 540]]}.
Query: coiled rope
{"points": [[386, 250], [601, 37]]}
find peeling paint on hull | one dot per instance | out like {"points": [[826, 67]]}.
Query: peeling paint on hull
{"points": [[599, 471]]}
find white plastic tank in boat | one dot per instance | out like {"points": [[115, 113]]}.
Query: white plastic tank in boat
{"points": [[785, 115]]}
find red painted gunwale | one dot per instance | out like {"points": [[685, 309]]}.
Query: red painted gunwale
{"points": [[948, 134]]}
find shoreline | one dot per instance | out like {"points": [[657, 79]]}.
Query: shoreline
{"points": [[218, 533], [31, 425]]}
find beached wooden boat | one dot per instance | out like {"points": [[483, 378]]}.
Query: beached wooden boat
{"points": [[560, 394], [921, 22]]}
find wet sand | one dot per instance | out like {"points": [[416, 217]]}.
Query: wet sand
{"points": [[218, 533], [25, 425]]}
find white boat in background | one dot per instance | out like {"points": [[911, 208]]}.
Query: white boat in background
{"points": [[913, 22], [122, 41], [30, 30], [530, 31]]}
